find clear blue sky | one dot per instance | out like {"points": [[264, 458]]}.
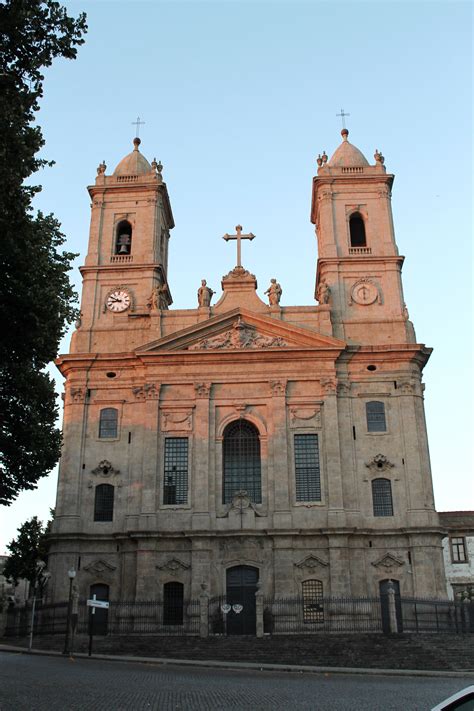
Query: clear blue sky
{"points": [[238, 100]]}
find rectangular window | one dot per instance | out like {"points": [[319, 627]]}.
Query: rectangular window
{"points": [[382, 497], [458, 550], [108, 423], [313, 608], [375, 412], [307, 471], [175, 488]]}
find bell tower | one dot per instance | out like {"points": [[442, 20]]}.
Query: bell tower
{"points": [[359, 267], [127, 260]]}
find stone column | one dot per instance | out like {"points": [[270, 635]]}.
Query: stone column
{"points": [[72, 456], [204, 612], [392, 610], [278, 472], [200, 478], [335, 501], [259, 612], [149, 395]]}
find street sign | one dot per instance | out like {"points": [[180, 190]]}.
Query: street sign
{"points": [[98, 603]]}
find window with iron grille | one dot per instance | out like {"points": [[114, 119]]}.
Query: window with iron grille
{"points": [[104, 503], [108, 423], [375, 412], [175, 486], [307, 472], [313, 609], [241, 466], [382, 497], [458, 549], [173, 596]]}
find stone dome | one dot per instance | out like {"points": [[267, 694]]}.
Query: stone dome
{"points": [[134, 163], [347, 155]]}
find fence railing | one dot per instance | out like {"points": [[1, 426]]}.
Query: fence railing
{"points": [[264, 615]]}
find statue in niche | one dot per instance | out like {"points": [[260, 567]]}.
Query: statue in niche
{"points": [[274, 292], [322, 293], [204, 294], [158, 299]]}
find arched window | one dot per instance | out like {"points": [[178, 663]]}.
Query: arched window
{"points": [[173, 603], [108, 422], [375, 413], [104, 503], [242, 470], [357, 230], [382, 497], [313, 610], [123, 238]]}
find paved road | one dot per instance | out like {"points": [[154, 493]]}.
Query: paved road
{"points": [[34, 683]]}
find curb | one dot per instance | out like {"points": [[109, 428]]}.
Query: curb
{"points": [[240, 666]]}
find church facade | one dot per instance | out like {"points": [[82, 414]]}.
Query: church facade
{"points": [[243, 444]]}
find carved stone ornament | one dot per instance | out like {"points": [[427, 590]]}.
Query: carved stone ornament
{"points": [[149, 391], [328, 385], [105, 468], [379, 464], [240, 336], [173, 565], [388, 561], [77, 394], [311, 562], [343, 388], [407, 387], [308, 415], [278, 388], [202, 389], [240, 502], [364, 292], [98, 567], [179, 420]]}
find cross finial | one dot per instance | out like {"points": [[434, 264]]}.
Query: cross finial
{"points": [[138, 123], [343, 115], [238, 236]]}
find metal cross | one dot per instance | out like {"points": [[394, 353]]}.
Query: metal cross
{"points": [[239, 236], [138, 123], [342, 115]]}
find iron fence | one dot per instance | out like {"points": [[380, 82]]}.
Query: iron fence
{"points": [[300, 615], [422, 615]]}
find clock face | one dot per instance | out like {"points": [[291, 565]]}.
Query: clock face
{"points": [[118, 300]]}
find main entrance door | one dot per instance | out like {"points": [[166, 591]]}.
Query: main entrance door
{"points": [[241, 588]]}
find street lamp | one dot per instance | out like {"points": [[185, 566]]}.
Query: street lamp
{"points": [[72, 574]]}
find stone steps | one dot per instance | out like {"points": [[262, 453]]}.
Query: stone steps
{"points": [[435, 652]]}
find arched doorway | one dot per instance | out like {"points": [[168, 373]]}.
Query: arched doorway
{"points": [[241, 584], [101, 591], [383, 587]]}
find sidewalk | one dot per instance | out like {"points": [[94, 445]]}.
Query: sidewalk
{"points": [[243, 665]]}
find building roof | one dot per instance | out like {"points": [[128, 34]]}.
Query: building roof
{"points": [[457, 519], [347, 155], [134, 163]]}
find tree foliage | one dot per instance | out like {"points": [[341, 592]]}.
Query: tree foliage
{"points": [[37, 300], [26, 550]]}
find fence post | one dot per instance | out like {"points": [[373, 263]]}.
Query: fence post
{"points": [[204, 612], [392, 610], [259, 611]]}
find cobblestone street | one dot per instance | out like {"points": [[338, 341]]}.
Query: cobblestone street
{"points": [[34, 683]]}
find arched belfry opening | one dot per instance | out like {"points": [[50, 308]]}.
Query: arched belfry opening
{"points": [[357, 230], [241, 465], [123, 238]]}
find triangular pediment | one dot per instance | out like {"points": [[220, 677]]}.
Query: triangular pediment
{"points": [[241, 330]]}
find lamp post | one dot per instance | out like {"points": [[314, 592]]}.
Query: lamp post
{"points": [[41, 578], [72, 574]]}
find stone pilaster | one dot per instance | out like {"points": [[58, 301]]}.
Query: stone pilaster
{"points": [[200, 476], [335, 500], [277, 473]]}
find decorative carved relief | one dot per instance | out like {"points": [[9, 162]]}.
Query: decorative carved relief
{"points": [[173, 565], [77, 394], [307, 415], [343, 388], [149, 391], [407, 387], [239, 408], [240, 336], [104, 468], [365, 292], [379, 464], [388, 561], [325, 195], [278, 387], [177, 420], [242, 546], [328, 385], [241, 502], [98, 567], [202, 389], [311, 562]]}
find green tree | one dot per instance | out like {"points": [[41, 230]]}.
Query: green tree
{"points": [[37, 300], [26, 550]]}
